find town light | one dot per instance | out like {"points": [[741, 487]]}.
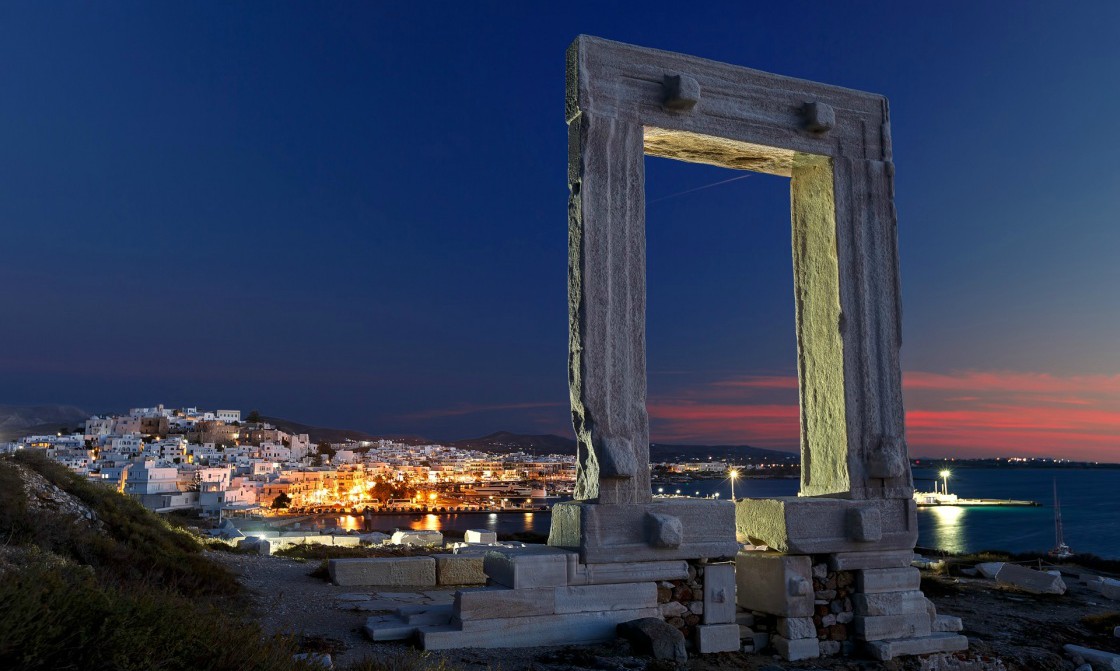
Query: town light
{"points": [[734, 476]]}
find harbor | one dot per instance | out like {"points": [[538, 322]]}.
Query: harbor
{"points": [[941, 497]]}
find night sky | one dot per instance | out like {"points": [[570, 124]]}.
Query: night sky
{"points": [[354, 215]]}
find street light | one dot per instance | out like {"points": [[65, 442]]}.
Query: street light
{"points": [[734, 476], [945, 478]]}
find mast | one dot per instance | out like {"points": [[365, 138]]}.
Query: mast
{"points": [[1057, 517]]}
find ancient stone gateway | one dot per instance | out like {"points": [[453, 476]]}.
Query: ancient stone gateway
{"points": [[819, 573]]}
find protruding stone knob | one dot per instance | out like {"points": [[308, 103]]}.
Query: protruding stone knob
{"points": [[819, 117], [682, 92]]}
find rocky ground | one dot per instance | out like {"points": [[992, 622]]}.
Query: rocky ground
{"points": [[1006, 629]]}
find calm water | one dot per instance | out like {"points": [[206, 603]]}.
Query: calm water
{"points": [[1090, 510]]}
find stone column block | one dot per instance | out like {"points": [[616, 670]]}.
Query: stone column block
{"points": [[719, 594], [774, 583], [873, 581], [717, 638]]}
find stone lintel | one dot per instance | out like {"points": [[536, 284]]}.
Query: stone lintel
{"points": [[605, 533], [819, 525]]}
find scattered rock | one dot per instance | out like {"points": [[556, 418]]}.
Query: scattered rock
{"points": [[655, 637]]}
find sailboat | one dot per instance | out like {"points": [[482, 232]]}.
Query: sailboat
{"points": [[1061, 550]]}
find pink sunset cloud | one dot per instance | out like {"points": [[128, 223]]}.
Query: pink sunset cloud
{"points": [[966, 413]]}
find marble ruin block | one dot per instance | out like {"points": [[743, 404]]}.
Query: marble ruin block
{"points": [[719, 594], [717, 638], [774, 583], [384, 571], [811, 525]]}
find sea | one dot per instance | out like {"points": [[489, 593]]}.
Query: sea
{"points": [[1090, 506]]}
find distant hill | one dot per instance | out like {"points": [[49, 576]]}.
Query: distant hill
{"points": [[17, 421], [504, 442], [321, 433]]}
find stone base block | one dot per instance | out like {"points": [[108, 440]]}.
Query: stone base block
{"points": [[517, 632], [854, 561], [717, 638], [661, 530], [796, 627], [625, 572], [490, 603], [384, 571], [883, 627], [876, 580], [459, 570], [719, 594], [528, 567], [810, 525], [793, 650], [947, 623], [924, 645], [891, 603], [774, 583]]}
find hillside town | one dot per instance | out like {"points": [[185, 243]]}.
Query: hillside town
{"points": [[220, 463]]}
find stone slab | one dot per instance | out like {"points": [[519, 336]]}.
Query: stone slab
{"points": [[989, 569], [604, 533], [774, 583], [853, 561], [719, 594], [796, 627], [922, 645], [459, 570], [567, 629], [794, 650], [1030, 580], [624, 572], [882, 627], [717, 638], [876, 580], [589, 598], [388, 571], [890, 603], [528, 567], [812, 525]]}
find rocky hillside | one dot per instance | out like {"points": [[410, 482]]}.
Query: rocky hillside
{"points": [[20, 420]]}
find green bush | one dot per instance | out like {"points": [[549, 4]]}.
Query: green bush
{"points": [[134, 544], [61, 617]]}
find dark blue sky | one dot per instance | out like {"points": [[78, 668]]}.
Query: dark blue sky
{"points": [[355, 215]]}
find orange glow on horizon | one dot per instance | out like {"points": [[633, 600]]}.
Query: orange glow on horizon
{"points": [[967, 414]]}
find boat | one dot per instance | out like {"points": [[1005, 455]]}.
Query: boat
{"points": [[940, 496], [1061, 550]]}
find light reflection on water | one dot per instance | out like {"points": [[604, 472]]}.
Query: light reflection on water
{"points": [[1090, 499], [947, 531]]}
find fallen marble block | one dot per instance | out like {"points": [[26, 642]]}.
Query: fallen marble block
{"points": [[1030, 580], [421, 537], [1100, 659], [989, 569], [921, 645], [480, 536]]}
